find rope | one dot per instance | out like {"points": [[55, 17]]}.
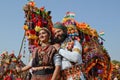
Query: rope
{"points": [[21, 44]]}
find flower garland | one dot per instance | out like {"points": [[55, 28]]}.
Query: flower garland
{"points": [[35, 19]]}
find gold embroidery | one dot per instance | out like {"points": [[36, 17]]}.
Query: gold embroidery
{"points": [[77, 50]]}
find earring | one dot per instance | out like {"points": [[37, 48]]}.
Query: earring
{"points": [[39, 42], [49, 40]]}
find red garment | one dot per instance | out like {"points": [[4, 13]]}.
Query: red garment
{"points": [[7, 78]]}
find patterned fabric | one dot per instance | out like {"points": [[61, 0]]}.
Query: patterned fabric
{"points": [[44, 56], [49, 58], [72, 73], [70, 58], [42, 77], [56, 60]]}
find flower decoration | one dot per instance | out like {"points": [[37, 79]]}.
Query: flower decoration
{"points": [[35, 19]]}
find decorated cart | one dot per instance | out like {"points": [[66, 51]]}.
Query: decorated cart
{"points": [[8, 64], [35, 19], [96, 60]]}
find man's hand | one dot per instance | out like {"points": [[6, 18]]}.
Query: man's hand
{"points": [[57, 46]]}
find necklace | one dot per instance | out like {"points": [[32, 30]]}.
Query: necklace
{"points": [[41, 52]]}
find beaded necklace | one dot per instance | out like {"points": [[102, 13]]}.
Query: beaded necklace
{"points": [[41, 52]]}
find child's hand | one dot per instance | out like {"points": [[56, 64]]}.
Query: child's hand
{"points": [[70, 45]]}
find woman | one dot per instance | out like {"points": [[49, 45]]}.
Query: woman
{"points": [[45, 63]]}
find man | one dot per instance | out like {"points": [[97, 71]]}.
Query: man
{"points": [[71, 59]]}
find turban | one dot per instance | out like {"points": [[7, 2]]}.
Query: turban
{"points": [[59, 25]]}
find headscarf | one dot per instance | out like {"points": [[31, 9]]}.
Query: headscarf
{"points": [[47, 30]]}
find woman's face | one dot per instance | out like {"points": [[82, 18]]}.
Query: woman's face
{"points": [[43, 36]]}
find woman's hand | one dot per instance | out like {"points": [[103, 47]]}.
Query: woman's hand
{"points": [[34, 69], [18, 69], [41, 68]]}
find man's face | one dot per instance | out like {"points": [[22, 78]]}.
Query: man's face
{"points": [[59, 35]]}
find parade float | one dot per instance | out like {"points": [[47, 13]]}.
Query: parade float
{"points": [[8, 64], [35, 19], [96, 60], [115, 70]]}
